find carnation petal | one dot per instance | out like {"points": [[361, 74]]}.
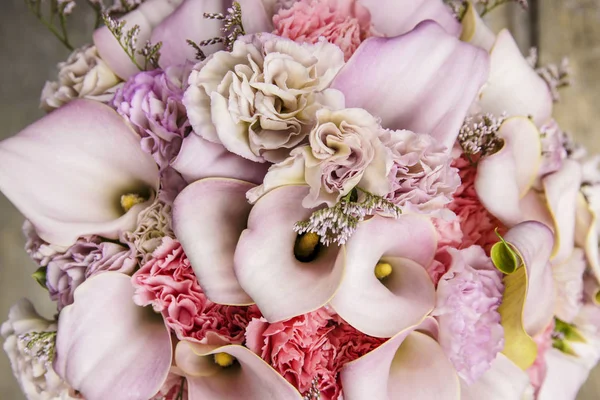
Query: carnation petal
{"points": [[504, 380], [383, 309], [409, 13], [87, 151], [513, 86], [109, 348], [399, 79], [200, 159], [411, 365], [208, 217], [249, 378], [265, 264]]}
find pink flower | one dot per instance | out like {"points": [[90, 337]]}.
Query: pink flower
{"points": [[167, 282], [174, 388], [537, 372], [449, 236], [553, 148], [468, 297], [345, 23]]}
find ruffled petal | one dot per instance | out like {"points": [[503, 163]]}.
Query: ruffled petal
{"points": [[147, 16], [280, 284], [513, 86], [423, 81], [200, 158], [384, 308], [409, 13], [249, 378], [411, 365], [504, 380], [109, 348], [208, 217], [67, 172]]}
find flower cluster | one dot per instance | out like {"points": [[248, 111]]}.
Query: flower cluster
{"points": [[301, 200]]}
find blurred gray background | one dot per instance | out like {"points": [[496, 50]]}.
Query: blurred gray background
{"points": [[29, 53]]}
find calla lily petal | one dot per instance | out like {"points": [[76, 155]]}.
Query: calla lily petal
{"points": [[384, 308], [408, 14], [562, 188], [88, 151], [411, 365], [147, 16], [188, 23], [475, 31], [200, 158], [249, 378], [255, 17], [109, 348], [208, 217], [281, 285], [565, 375], [586, 235], [424, 81], [504, 380], [506, 176], [513, 86]]}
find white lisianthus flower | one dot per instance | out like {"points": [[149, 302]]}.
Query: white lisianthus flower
{"points": [[29, 344], [83, 75], [260, 100]]}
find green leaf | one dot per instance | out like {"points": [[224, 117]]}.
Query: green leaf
{"points": [[505, 259], [40, 277]]}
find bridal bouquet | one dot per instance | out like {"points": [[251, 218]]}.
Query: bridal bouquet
{"points": [[312, 199]]}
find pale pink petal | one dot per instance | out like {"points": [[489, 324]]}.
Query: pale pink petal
{"points": [[266, 267], [475, 31], [562, 189], [534, 241], [208, 217], [423, 81], [109, 348], [503, 381], [586, 235], [383, 309], [535, 208], [513, 86], [200, 158], [564, 376], [255, 17], [188, 22], [147, 16], [249, 378], [411, 365], [396, 17], [67, 172]]}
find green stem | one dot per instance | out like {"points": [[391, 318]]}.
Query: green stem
{"points": [[62, 38]]}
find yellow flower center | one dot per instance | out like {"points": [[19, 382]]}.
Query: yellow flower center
{"points": [[307, 246], [224, 360], [383, 270], [130, 200]]}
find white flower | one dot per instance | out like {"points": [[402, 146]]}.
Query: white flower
{"points": [[83, 75], [568, 279], [260, 99], [30, 359]]}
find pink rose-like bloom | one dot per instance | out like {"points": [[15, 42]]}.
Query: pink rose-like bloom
{"points": [[468, 297], [537, 371], [345, 23], [476, 223], [309, 346], [421, 177], [87, 257], [167, 282], [151, 101]]}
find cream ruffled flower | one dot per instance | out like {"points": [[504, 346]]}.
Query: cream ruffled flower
{"points": [[83, 75], [30, 354], [260, 99]]}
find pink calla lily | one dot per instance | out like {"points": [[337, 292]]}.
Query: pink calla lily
{"points": [[208, 217], [109, 348], [504, 380], [249, 377], [384, 308], [415, 81], [411, 365], [86, 150], [280, 284]]}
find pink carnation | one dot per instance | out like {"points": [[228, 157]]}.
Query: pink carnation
{"points": [[309, 350], [345, 23], [167, 282], [468, 297]]}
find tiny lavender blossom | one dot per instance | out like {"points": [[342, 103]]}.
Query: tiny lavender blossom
{"points": [[468, 297], [553, 148], [556, 77], [345, 23], [421, 177], [151, 101], [83, 75], [260, 99], [478, 135]]}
